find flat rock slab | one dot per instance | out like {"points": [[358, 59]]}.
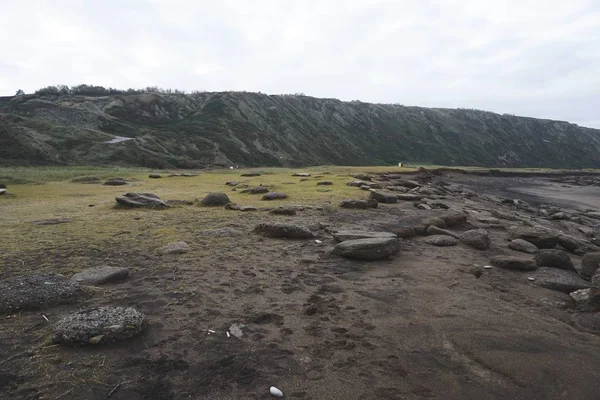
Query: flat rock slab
{"points": [[53, 221], [476, 238], [554, 258], [523, 246], [516, 263], [154, 176], [342, 236], [100, 275], [384, 197], [38, 291], [280, 230], [560, 279], [140, 200], [359, 204], [274, 196], [541, 239], [99, 325], [215, 200], [175, 248], [441, 240], [372, 249]]}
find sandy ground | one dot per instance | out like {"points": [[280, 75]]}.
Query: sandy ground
{"points": [[422, 325]]}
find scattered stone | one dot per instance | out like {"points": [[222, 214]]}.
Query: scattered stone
{"points": [[232, 183], [140, 200], [250, 174], [523, 246], [441, 240], [342, 236], [115, 182], [516, 263], [274, 196], [359, 204], [372, 249], [554, 258], [53, 221], [99, 325], [560, 279], [504, 216], [408, 197], [400, 189], [488, 220], [247, 208], [37, 292], [590, 263], [283, 211], [280, 230], [476, 238], [215, 200], [301, 174], [422, 226], [541, 239], [175, 248], [434, 230], [384, 197], [236, 330], [155, 176], [324, 183], [101, 275], [581, 296]]}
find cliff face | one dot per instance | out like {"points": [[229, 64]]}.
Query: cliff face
{"points": [[250, 129]]}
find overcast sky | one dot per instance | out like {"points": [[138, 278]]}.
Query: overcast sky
{"points": [[537, 58]]}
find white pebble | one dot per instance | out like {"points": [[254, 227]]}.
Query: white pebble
{"points": [[531, 278], [318, 241], [275, 392], [487, 267], [228, 335]]}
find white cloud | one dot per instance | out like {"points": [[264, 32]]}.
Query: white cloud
{"points": [[526, 57]]}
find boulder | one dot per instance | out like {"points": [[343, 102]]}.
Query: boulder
{"points": [[115, 182], [2, 186], [554, 258], [38, 292], [359, 204], [99, 325], [476, 238], [342, 236], [140, 200], [590, 263], [441, 240], [280, 230], [274, 196], [523, 246], [575, 245], [408, 197], [283, 211], [154, 176], [560, 279], [453, 218], [101, 275], [515, 263], [540, 238], [371, 249], [384, 197], [175, 248], [324, 183], [215, 200]]}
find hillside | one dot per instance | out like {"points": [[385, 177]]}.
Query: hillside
{"points": [[251, 129]]}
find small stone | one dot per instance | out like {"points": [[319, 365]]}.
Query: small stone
{"points": [[540, 238], [175, 248], [115, 182], [531, 278], [232, 183], [301, 174], [590, 263], [423, 206], [283, 211], [487, 267], [560, 279], [275, 392], [408, 197]]}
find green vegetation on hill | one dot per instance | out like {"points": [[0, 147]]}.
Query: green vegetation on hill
{"points": [[69, 126]]}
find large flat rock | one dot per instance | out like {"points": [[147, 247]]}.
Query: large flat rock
{"points": [[101, 275], [372, 249]]}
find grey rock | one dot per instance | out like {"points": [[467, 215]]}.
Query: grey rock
{"points": [[515, 263], [280, 230], [554, 258], [247, 208], [560, 279], [587, 321], [441, 240], [362, 177], [175, 248], [370, 185], [476, 238], [590, 263], [274, 196], [523, 246], [359, 204], [540, 238], [215, 200], [140, 200], [342, 236], [400, 189], [99, 325], [372, 249], [232, 183], [453, 218], [3, 186], [407, 183], [38, 291], [155, 176], [232, 206], [408, 197], [115, 182], [384, 197], [324, 183], [2, 191], [100, 275], [575, 245], [283, 211], [559, 216]]}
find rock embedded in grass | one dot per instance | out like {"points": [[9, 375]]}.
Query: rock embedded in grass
{"points": [[101, 275], [140, 200], [301, 174], [324, 183], [115, 182], [154, 176], [283, 211], [342, 236], [250, 174], [274, 196], [215, 200], [359, 204], [372, 249], [280, 230], [175, 248], [99, 325]]}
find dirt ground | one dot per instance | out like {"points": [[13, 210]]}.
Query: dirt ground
{"points": [[430, 323]]}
